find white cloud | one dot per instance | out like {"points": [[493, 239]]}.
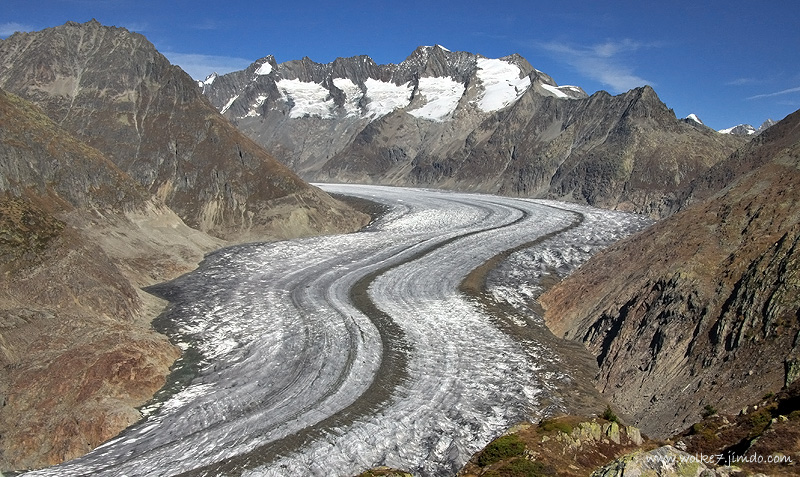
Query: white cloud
{"points": [[137, 27], [743, 81], [9, 28], [200, 66], [778, 93], [601, 62]]}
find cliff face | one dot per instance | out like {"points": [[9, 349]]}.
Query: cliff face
{"points": [[113, 90], [702, 308], [458, 120]]}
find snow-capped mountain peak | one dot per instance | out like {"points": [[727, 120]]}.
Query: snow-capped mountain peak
{"points": [[739, 130], [693, 117], [430, 85], [503, 84], [208, 81], [747, 130], [329, 104]]}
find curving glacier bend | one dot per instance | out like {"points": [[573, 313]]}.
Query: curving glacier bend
{"points": [[297, 373]]}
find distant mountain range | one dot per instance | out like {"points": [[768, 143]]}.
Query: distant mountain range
{"points": [[460, 120], [748, 130], [740, 130]]}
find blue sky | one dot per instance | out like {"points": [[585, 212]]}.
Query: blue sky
{"points": [[729, 62]]}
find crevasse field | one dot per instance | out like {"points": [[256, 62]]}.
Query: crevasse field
{"points": [[330, 355]]}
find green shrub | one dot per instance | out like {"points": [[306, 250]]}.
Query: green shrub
{"points": [[708, 430], [609, 415], [708, 411], [501, 448], [759, 421]]}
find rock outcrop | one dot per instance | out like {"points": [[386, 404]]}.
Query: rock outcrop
{"points": [[762, 439], [565, 446], [458, 120], [702, 308]]}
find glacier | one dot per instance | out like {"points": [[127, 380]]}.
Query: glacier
{"points": [[330, 355]]}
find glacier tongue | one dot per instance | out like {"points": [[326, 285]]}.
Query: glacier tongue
{"points": [[288, 356]]}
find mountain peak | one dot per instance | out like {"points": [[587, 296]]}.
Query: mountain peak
{"points": [[427, 49], [747, 129], [64, 71], [693, 117], [766, 125]]}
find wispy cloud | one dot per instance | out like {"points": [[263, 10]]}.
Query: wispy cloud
{"points": [[199, 66], [138, 27], [9, 28], [743, 81], [603, 62], [777, 93]]}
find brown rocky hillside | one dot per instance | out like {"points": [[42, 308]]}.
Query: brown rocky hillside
{"points": [[702, 308], [76, 347], [114, 182]]}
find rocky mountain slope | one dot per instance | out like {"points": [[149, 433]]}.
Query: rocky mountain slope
{"points": [[112, 89], [77, 236], [702, 308], [459, 120]]}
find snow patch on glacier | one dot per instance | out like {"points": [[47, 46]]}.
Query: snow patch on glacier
{"points": [[307, 98], [385, 97], [503, 84], [441, 98]]}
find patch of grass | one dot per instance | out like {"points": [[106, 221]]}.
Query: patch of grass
{"points": [[759, 420], [550, 425], [521, 467], [501, 448], [706, 430]]}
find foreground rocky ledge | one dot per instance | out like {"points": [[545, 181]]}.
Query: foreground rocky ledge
{"points": [[763, 439]]}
